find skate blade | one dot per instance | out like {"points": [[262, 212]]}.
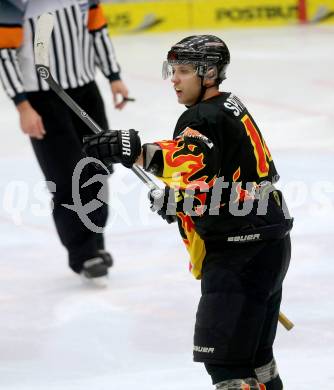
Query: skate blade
{"points": [[101, 282]]}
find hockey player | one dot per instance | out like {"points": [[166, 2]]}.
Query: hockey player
{"points": [[220, 179], [79, 44]]}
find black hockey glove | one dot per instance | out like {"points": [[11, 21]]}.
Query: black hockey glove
{"points": [[163, 202], [114, 146]]}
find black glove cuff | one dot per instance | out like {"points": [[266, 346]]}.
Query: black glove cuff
{"points": [[130, 147]]}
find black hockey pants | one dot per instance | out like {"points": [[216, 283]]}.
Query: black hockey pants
{"points": [[58, 154], [237, 315]]}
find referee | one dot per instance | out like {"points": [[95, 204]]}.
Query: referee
{"points": [[79, 43]]}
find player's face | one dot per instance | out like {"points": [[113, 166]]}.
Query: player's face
{"points": [[187, 84]]}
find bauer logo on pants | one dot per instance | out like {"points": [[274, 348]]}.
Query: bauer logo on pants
{"points": [[244, 238], [198, 348]]}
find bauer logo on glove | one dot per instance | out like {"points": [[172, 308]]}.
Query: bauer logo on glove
{"points": [[114, 146]]}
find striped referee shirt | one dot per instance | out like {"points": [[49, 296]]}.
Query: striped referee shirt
{"points": [[79, 43]]}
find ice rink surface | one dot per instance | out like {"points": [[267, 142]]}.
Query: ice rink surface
{"points": [[58, 334]]}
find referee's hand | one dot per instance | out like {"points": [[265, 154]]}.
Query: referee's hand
{"points": [[30, 121], [120, 93]]}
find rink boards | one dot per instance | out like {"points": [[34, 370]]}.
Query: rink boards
{"points": [[173, 15]]}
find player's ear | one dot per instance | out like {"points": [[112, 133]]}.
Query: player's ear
{"points": [[210, 76], [209, 82]]}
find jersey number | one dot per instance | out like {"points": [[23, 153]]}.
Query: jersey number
{"points": [[261, 151]]}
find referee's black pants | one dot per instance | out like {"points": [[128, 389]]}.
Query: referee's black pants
{"points": [[58, 154]]}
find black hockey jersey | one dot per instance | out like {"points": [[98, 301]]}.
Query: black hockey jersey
{"points": [[218, 163]]}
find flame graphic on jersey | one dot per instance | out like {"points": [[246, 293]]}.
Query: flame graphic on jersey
{"points": [[200, 207], [187, 223], [236, 174], [267, 151], [193, 242], [178, 154], [243, 195]]}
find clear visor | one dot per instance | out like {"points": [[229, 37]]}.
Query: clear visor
{"points": [[166, 70], [186, 69], [183, 68]]}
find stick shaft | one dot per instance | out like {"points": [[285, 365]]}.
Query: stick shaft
{"points": [[72, 104]]}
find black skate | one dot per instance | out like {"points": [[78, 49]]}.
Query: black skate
{"points": [[108, 260], [95, 270]]}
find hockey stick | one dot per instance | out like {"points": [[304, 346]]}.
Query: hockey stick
{"points": [[44, 29], [284, 320]]}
